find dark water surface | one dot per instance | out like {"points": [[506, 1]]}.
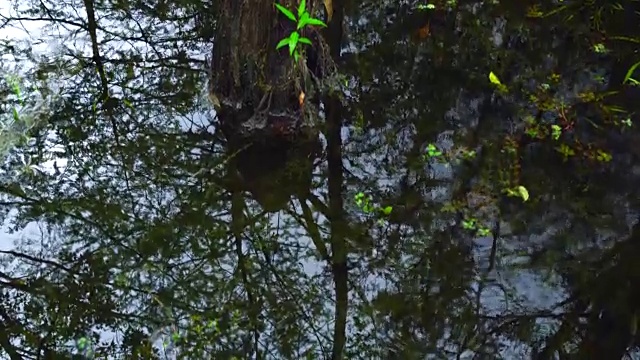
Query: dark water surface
{"points": [[460, 181]]}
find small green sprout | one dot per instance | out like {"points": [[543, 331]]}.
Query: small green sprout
{"points": [[364, 202], [519, 191], [599, 48], [483, 231], [426, 7], [303, 19], [566, 151], [84, 347], [473, 225], [432, 151], [533, 132], [493, 78], [556, 131], [469, 224], [523, 192], [603, 156]]}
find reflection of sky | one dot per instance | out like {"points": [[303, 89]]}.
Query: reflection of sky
{"points": [[529, 289]]}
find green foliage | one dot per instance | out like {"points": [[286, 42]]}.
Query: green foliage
{"points": [[629, 74], [426, 6], [144, 238], [600, 48], [13, 129], [556, 131], [473, 224], [565, 151], [303, 19], [85, 347], [365, 203], [432, 151], [493, 78], [519, 191], [468, 154]]}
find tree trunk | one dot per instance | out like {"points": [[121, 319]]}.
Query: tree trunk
{"points": [[261, 96]]}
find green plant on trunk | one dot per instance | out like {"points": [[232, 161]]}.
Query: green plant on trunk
{"points": [[303, 19]]}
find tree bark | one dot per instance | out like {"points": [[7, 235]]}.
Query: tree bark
{"points": [[256, 91]]}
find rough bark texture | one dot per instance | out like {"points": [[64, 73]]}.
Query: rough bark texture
{"points": [[256, 90]]}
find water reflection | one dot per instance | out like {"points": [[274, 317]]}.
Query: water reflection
{"points": [[390, 225]]}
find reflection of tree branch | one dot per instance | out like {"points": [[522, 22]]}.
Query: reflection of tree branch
{"points": [[37, 260], [338, 228], [312, 228], [334, 34], [555, 342], [476, 137], [319, 205], [43, 205], [92, 27], [7, 346], [237, 208], [494, 246], [287, 289], [8, 322], [109, 104]]}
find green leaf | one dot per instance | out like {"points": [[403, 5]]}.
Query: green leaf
{"points": [[293, 41], [301, 8], [296, 56], [304, 20], [469, 224], [426, 7], [524, 194], [282, 43], [286, 12], [556, 131], [387, 210], [494, 79], [316, 22], [305, 40], [630, 72]]}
